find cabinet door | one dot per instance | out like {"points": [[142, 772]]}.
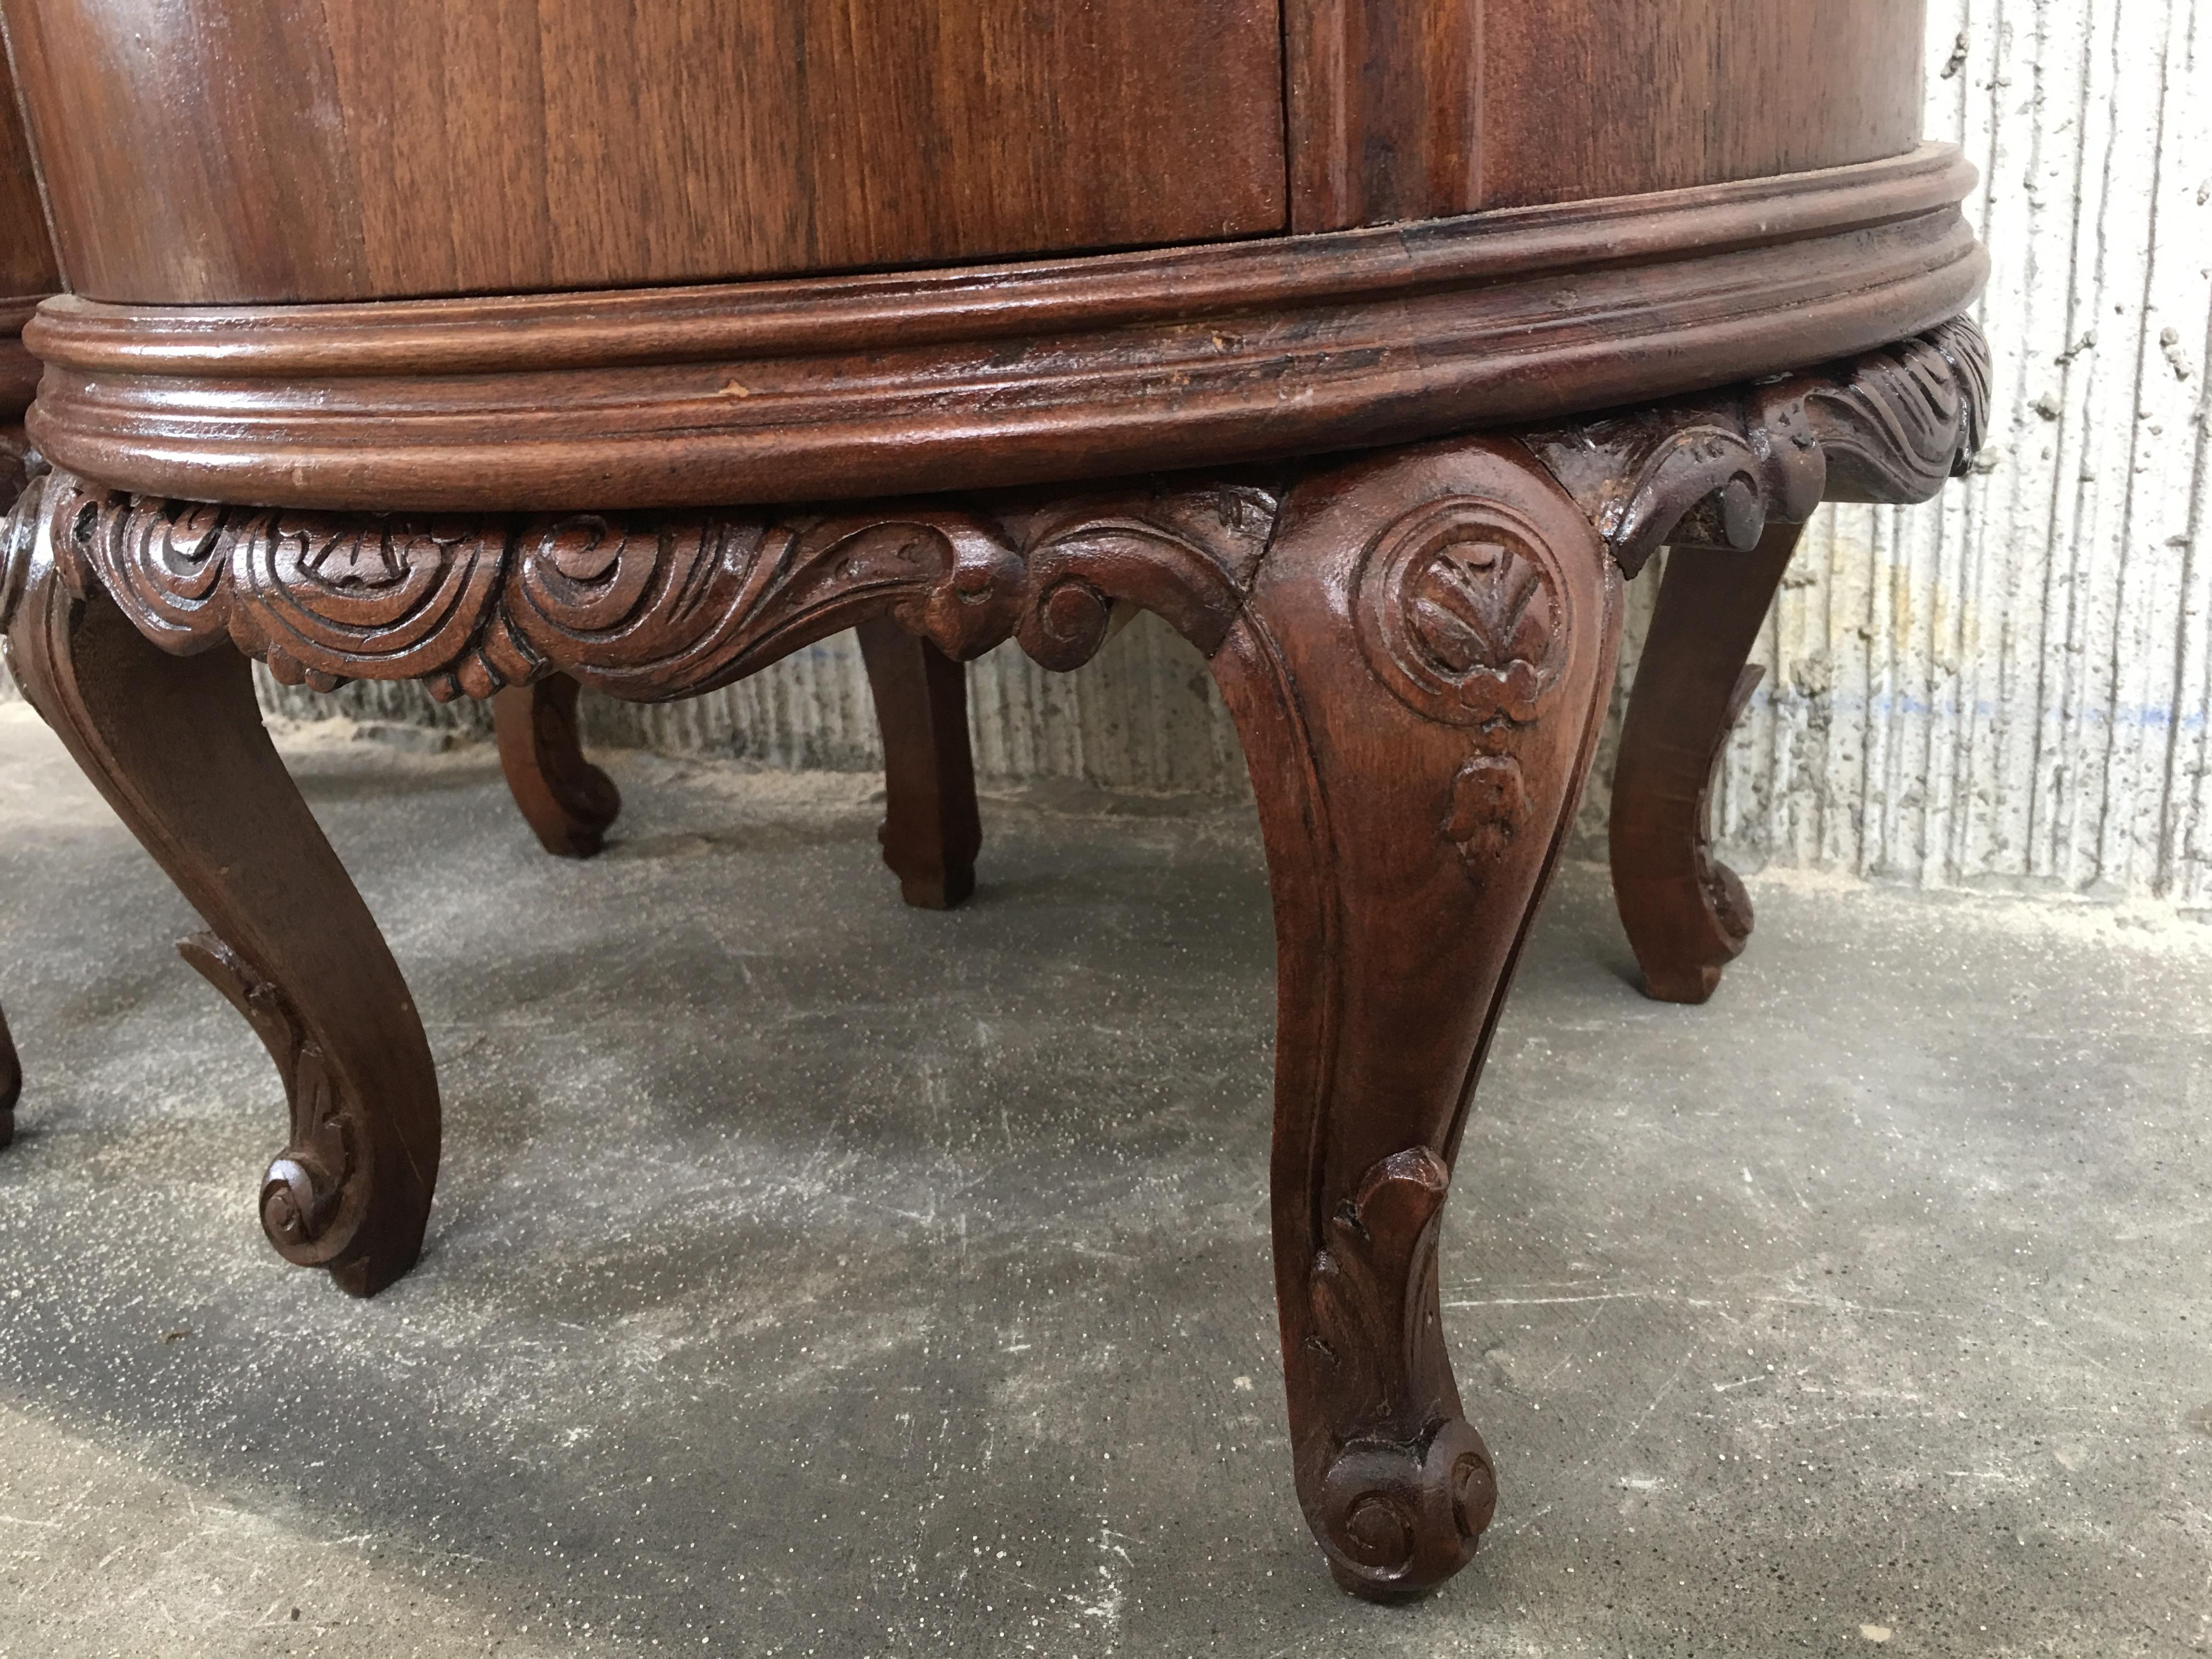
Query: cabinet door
{"points": [[203, 150], [1584, 100], [1412, 109]]}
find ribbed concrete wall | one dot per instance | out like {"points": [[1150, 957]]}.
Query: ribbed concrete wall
{"points": [[2009, 690]]}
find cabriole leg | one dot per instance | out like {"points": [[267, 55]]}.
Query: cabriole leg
{"points": [[931, 831], [176, 744], [1418, 680], [1687, 915], [567, 801]]}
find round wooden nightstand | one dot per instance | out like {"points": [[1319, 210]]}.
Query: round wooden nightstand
{"points": [[1371, 344]]}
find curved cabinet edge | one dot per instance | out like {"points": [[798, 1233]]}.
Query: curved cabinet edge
{"points": [[839, 387], [653, 606]]}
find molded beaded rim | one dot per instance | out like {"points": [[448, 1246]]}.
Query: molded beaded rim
{"points": [[975, 377]]}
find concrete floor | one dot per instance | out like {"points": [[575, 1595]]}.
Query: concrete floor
{"points": [[811, 1276]]}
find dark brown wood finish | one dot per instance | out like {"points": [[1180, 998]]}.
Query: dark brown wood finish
{"points": [[1728, 479], [28, 275], [568, 802], [1416, 648], [1686, 914], [857, 387], [19, 369], [1419, 679], [1569, 207], [424, 149], [27, 254], [1417, 109], [1713, 470], [417, 147], [932, 830], [1636, 95], [1385, 110], [655, 606], [294, 947]]}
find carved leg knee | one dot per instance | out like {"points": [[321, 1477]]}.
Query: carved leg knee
{"points": [[176, 746], [1687, 915], [567, 801], [932, 832], [1418, 680]]}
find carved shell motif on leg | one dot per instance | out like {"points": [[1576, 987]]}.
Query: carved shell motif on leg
{"points": [[1459, 615]]}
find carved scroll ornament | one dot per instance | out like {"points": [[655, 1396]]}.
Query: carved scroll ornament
{"points": [[1887, 426], [647, 606], [312, 1202], [1409, 1478], [1459, 607]]}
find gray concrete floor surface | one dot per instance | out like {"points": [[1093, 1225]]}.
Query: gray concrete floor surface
{"points": [[810, 1276]]}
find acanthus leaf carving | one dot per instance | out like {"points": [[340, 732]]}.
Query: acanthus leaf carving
{"points": [[653, 606], [1381, 1244], [1408, 1479], [1459, 612], [318, 595], [1905, 419], [315, 1195], [1713, 470]]}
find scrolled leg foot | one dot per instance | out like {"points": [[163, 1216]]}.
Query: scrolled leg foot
{"points": [[313, 1198], [176, 746], [932, 830], [1398, 1518], [568, 802], [1687, 915], [1419, 679], [1397, 1513]]}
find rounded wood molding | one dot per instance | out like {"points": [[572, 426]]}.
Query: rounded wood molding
{"points": [[984, 376]]}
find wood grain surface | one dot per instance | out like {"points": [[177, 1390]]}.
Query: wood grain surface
{"points": [[27, 257], [1411, 109], [228, 150], [1582, 99], [28, 270], [234, 150]]}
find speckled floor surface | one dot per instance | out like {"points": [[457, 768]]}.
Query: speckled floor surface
{"points": [[810, 1276]]}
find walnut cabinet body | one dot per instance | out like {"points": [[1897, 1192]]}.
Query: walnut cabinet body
{"points": [[1372, 343]]}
